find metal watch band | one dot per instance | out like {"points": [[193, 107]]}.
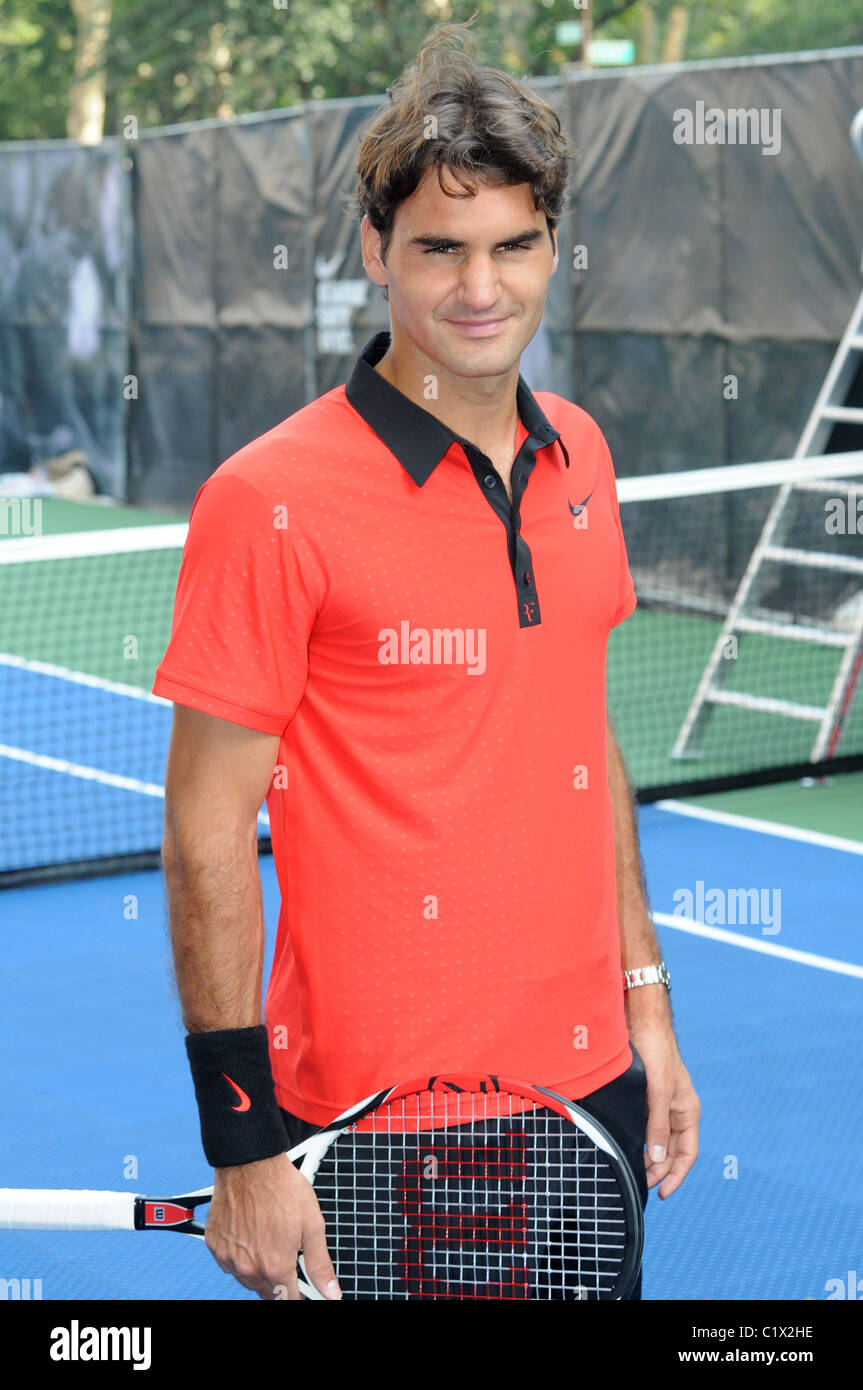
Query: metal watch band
{"points": [[647, 975]]}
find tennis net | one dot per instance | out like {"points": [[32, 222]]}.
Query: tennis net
{"points": [[741, 662], [85, 619]]}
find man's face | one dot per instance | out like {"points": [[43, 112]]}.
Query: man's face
{"points": [[467, 276]]}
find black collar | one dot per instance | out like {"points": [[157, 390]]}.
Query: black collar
{"points": [[419, 440]]}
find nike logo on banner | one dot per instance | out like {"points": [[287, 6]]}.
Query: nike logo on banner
{"points": [[581, 506], [245, 1103]]}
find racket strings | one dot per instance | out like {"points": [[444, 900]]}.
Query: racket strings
{"points": [[460, 1195]]}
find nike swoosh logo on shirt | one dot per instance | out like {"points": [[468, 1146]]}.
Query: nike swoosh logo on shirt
{"points": [[245, 1103], [581, 506]]}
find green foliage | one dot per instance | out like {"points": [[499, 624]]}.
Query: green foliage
{"points": [[179, 60], [37, 45], [741, 28]]}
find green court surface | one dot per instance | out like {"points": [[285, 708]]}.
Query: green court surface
{"points": [[830, 806], [60, 516], [77, 613], [655, 660]]}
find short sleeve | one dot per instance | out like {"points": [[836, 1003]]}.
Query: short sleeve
{"points": [[243, 611], [626, 599]]}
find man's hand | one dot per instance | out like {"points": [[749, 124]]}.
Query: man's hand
{"points": [[673, 1108], [262, 1214]]}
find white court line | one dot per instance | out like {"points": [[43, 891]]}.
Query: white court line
{"points": [[88, 545], [89, 774], [763, 827], [766, 948], [92, 774], [45, 668]]}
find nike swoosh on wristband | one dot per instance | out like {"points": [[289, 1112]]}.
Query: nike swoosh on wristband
{"points": [[245, 1103], [581, 506]]}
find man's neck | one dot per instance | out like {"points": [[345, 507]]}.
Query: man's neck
{"points": [[483, 410]]}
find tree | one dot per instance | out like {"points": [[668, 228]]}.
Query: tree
{"points": [[86, 118], [173, 60]]}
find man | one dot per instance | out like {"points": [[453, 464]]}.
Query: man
{"points": [[391, 622]]}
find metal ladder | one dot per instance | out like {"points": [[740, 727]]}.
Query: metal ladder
{"points": [[828, 410]]}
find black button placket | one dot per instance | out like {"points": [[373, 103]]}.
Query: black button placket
{"points": [[493, 488]]}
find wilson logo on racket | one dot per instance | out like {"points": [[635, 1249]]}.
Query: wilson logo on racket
{"points": [[245, 1103], [166, 1214]]}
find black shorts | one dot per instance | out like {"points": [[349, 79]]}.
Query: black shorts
{"points": [[621, 1107]]}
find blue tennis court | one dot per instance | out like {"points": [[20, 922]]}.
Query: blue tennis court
{"points": [[98, 1091]]}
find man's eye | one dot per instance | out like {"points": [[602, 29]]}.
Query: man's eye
{"points": [[507, 246]]}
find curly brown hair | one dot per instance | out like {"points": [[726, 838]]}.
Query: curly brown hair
{"points": [[447, 110]]}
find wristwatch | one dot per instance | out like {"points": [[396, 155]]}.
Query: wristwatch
{"points": [[647, 975]]}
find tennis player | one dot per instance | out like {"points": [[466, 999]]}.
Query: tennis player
{"points": [[391, 623]]}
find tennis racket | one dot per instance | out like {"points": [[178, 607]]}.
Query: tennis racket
{"points": [[456, 1187]]}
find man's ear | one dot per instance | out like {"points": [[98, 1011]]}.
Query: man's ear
{"points": [[371, 246]]}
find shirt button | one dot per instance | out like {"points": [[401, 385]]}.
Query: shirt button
{"points": [[489, 480]]}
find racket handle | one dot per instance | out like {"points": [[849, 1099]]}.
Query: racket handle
{"points": [[60, 1209]]}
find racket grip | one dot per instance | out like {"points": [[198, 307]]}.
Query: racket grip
{"points": [[60, 1209]]}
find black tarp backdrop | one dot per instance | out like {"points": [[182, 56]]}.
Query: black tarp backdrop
{"points": [[221, 314], [65, 246], [710, 261], [250, 297]]}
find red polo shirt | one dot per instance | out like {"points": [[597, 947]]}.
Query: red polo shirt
{"points": [[432, 659]]}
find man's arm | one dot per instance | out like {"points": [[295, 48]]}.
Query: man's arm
{"points": [[217, 777], [673, 1106], [218, 774]]}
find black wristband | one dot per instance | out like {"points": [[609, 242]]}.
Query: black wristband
{"points": [[240, 1117]]}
